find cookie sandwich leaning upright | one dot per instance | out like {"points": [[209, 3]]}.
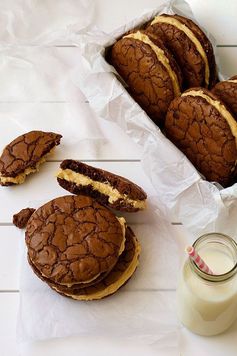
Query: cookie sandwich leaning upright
{"points": [[149, 70], [227, 92], [190, 46], [202, 127]]}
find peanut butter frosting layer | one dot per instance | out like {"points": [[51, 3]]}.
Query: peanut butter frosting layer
{"points": [[108, 188], [104, 188]]}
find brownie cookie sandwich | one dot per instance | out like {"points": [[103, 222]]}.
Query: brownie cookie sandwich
{"points": [[24, 155], [107, 188], [201, 126], [74, 241], [190, 46], [117, 277], [150, 71], [227, 92]]}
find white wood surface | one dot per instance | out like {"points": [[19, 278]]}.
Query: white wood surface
{"points": [[227, 60], [48, 104], [10, 238], [216, 16], [8, 311]]}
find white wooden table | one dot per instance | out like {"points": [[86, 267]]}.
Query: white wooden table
{"points": [[217, 16]]}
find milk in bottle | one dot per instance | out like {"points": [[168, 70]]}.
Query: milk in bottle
{"points": [[207, 304]]}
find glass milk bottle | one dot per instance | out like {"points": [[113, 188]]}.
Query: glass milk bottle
{"points": [[207, 304]]}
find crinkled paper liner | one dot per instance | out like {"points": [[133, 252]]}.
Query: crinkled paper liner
{"points": [[47, 22]]}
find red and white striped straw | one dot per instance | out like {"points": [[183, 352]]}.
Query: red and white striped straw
{"points": [[198, 260]]}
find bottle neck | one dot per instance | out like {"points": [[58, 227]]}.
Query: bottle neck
{"points": [[221, 243]]}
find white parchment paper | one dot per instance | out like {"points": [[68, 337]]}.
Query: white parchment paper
{"points": [[38, 22], [144, 308]]}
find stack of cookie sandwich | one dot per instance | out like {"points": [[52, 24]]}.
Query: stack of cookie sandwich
{"points": [[75, 243]]}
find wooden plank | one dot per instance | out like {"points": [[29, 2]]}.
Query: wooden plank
{"points": [[227, 60], [43, 186], [10, 251], [111, 15], [84, 135], [217, 17], [8, 311]]}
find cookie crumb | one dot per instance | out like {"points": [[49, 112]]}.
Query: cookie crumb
{"points": [[20, 219]]}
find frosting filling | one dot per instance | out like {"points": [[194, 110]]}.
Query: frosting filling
{"points": [[160, 54], [20, 178], [174, 22], [104, 188], [232, 81], [123, 226]]}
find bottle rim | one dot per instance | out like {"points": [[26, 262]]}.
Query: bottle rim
{"points": [[217, 277]]}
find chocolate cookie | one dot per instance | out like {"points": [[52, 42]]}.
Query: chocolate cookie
{"points": [[190, 46], [24, 155], [202, 127], [227, 92], [150, 71], [74, 239], [120, 274], [20, 219], [109, 189]]}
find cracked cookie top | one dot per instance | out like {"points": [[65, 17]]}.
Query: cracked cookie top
{"points": [[190, 47], [26, 151], [150, 71], [203, 128], [73, 239], [227, 92]]}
